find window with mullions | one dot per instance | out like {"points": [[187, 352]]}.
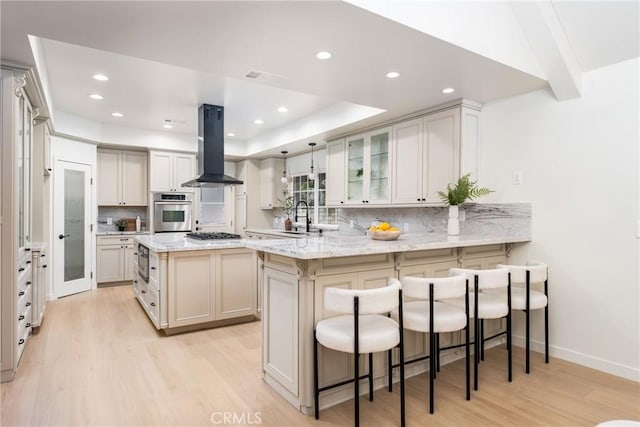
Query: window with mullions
{"points": [[313, 192]]}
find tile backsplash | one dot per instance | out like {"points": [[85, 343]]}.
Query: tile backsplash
{"points": [[117, 212], [476, 218]]}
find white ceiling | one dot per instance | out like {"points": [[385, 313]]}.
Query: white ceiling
{"points": [[166, 58]]}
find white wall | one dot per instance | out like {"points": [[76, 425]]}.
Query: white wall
{"points": [[580, 162]]}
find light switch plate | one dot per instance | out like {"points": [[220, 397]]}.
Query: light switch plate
{"points": [[517, 178]]}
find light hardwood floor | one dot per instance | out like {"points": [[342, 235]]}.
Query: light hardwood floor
{"points": [[97, 360]]}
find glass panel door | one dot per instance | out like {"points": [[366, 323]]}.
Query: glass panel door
{"points": [[355, 170], [74, 224], [20, 167], [379, 163]]}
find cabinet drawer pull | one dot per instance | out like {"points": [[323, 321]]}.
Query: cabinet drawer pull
{"points": [[28, 304], [28, 262], [21, 317], [27, 249], [143, 291], [135, 253], [20, 293], [21, 341], [42, 256], [21, 269], [153, 268], [153, 304], [29, 283], [124, 240], [27, 326], [44, 266]]}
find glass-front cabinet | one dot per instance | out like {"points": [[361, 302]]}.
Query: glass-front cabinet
{"points": [[23, 132], [368, 168]]}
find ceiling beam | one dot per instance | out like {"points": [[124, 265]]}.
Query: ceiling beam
{"points": [[549, 43]]}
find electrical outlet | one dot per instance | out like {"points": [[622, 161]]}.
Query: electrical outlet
{"points": [[351, 223], [405, 227], [517, 178], [109, 221]]}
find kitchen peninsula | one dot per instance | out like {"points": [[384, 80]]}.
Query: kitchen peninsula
{"points": [[295, 272]]}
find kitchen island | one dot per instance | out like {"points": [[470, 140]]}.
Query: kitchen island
{"points": [[190, 284], [295, 272]]}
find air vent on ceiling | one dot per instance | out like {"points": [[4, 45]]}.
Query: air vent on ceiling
{"points": [[266, 77], [253, 74]]}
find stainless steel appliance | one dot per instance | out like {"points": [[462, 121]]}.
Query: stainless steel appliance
{"points": [[172, 212], [143, 262]]}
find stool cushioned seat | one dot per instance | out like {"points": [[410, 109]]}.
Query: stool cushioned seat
{"points": [[447, 318], [377, 333]]}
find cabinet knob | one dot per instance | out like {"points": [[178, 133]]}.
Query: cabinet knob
{"points": [[29, 283], [27, 326], [27, 249], [44, 266], [28, 262], [153, 304], [135, 253], [42, 256], [153, 268], [20, 293], [21, 269], [28, 304], [418, 200], [424, 200], [341, 201], [143, 291], [21, 317], [21, 341]]}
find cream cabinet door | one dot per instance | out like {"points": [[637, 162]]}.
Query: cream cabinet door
{"points": [[335, 173], [129, 254], [184, 169], [161, 176], [191, 288], [378, 163], [134, 178], [267, 183], [407, 162], [110, 263], [109, 178], [236, 283], [442, 147]]}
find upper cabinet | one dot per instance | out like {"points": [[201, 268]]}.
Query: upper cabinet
{"points": [[168, 170], [270, 169], [335, 181], [122, 178], [368, 168], [406, 164]]}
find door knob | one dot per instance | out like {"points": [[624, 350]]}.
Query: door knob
{"points": [[62, 236]]}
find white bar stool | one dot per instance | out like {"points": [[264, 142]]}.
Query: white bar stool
{"points": [[487, 305], [526, 299], [364, 327], [430, 314]]}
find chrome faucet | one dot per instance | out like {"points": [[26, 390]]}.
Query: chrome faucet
{"points": [[308, 220]]}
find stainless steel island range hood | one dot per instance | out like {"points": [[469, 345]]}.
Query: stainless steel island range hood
{"points": [[211, 148]]}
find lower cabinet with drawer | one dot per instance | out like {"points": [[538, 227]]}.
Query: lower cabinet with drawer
{"points": [[115, 258]]}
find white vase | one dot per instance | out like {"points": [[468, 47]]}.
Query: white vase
{"points": [[453, 226]]}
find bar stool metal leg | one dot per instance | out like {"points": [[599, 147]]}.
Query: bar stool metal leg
{"points": [[356, 368], [370, 377], [401, 327], [316, 393], [527, 313], [509, 344], [390, 370], [476, 332], [546, 323]]}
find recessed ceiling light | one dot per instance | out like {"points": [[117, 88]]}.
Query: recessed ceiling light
{"points": [[231, 134], [323, 55], [167, 126], [116, 114], [96, 96], [100, 77], [282, 109], [258, 122], [448, 90], [393, 74]]}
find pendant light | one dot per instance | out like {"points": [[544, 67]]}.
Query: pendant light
{"points": [[311, 175], [284, 178]]}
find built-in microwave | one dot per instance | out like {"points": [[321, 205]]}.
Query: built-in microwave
{"points": [[172, 212], [143, 262]]}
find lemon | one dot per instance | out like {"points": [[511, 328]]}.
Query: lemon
{"points": [[384, 226], [394, 229]]}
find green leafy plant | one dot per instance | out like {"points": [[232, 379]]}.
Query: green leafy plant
{"points": [[464, 190], [120, 223]]}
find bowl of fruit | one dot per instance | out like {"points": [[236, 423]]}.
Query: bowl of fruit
{"points": [[384, 231]]}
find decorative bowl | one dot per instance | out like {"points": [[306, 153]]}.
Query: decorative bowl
{"points": [[384, 235]]}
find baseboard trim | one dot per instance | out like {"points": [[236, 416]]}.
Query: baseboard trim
{"points": [[613, 368]]}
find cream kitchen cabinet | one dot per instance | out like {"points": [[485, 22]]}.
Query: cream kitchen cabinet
{"points": [[168, 170], [122, 178], [368, 168], [335, 176], [270, 185], [115, 258], [205, 286], [39, 284]]}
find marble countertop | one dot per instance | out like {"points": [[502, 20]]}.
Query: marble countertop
{"points": [[329, 246], [116, 233], [178, 242], [339, 246], [279, 233]]}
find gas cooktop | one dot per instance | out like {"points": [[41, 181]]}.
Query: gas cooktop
{"points": [[213, 236]]}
